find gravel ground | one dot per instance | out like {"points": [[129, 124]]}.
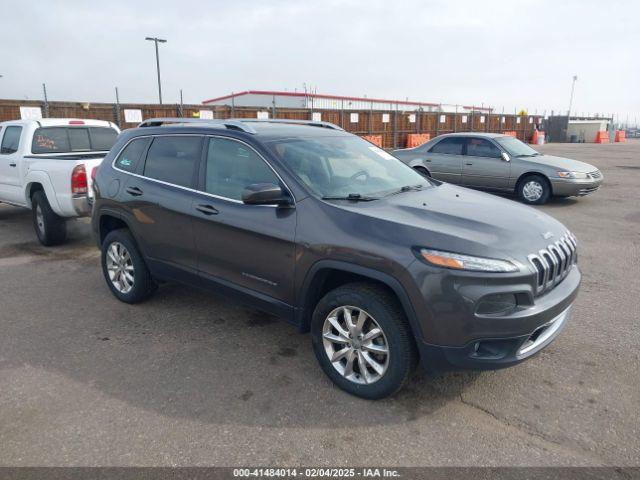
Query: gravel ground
{"points": [[190, 378]]}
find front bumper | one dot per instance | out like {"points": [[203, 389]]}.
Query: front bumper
{"points": [[574, 187], [493, 354], [455, 336]]}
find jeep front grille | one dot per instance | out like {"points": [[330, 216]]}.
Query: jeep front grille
{"points": [[553, 263]]}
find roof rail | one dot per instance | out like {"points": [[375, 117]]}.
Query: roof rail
{"points": [[231, 124], [310, 123]]}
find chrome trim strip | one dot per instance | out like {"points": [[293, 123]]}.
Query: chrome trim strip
{"points": [[233, 200], [553, 328]]}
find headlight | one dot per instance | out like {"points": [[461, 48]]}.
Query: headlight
{"points": [[457, 261], [578, 175]]}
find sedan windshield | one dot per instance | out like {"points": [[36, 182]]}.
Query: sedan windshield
{"points": [[515, 147], [346, 167]]}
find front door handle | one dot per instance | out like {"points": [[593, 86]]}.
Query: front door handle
{"points": [[427, 160], [469, 163], [207, 209], [135, 191], [12, 164]]}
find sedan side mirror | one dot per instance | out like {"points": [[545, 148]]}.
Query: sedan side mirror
{"points": [[506, 157], [265, 194]]}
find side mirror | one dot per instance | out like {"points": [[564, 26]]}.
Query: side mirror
{"points": [[265, 194], [506, 157]]}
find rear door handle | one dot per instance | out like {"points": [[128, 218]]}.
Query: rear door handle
{"points": [[207, 209], [12, 164], [135, 191], [469, 163]]}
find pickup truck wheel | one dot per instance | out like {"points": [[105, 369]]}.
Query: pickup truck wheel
{"points": [[534, 189], [124, 268], [362, 340], [50, 228]]}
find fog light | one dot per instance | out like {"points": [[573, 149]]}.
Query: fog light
{"points": [[498, 304]]}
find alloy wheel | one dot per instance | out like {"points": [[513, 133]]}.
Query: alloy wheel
{"points": [[120, 267], [355, 345]]}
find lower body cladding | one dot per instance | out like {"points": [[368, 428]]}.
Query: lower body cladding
{"points": [[490, 324]]}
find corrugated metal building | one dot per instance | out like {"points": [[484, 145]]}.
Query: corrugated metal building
{"points": [[316, 101]]}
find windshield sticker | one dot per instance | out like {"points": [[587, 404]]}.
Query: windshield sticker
{"points": [[125, 162], [382, 153]]}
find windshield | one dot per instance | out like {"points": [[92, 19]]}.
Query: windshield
{"points": [[343, 166], [515, 147], [73, 139]]}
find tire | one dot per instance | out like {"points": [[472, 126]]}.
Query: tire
{"points": [[121, 256], [422, 171], [50, 228], [534, 189], [383, 310]]}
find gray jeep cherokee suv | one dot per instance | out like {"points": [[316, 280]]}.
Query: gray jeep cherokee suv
{"points": [[305, 221]]}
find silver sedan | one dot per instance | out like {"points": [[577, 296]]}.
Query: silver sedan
{"points": [[501, 163]]}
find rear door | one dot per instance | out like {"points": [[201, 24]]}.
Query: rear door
{"points": [[444, 159], [484, 166], [159, 197], [248, 247], [10, 181]]}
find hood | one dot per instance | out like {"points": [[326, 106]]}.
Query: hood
{"points": [[457, 219], [562, 163]]}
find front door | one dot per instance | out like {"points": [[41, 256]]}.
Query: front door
{"points": [[159, 201], [483, 165], [247, 247], [444, 159], [10, 184]]}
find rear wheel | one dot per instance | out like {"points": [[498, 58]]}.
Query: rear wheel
{"points": [[124, 268], [534, 189], [50, 228], [362, 340]]}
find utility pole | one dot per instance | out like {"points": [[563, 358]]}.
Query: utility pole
{"points": [[46, 101], [573, 85], [157, 40], [117, 107]]}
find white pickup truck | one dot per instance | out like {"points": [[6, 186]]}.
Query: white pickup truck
{"points": [[47, 166]]}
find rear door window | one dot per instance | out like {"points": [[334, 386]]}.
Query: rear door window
{"points": [[11, 140], [173, 159], [73, 139], [449, 146], [481, 147]]}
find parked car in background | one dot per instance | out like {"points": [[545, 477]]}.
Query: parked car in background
{"points": [[501, 163], [46, 165], [384, 266]]}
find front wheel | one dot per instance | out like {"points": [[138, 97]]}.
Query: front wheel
{"points": [[50, 228], [124, 268], [534, 190], [363, 341]]}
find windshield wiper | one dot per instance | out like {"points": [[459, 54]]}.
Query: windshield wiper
{"points": [[407, 188], [355, 197]]}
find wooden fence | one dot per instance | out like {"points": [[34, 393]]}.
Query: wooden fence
{"points": [[393, 125]]}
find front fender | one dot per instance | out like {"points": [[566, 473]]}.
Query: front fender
{"points": [[42, 178]]}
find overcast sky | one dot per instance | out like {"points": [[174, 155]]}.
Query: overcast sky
{"points": [[506, 54]]}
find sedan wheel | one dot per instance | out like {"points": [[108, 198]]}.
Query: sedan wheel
{"points": [[532, 190], [355, 345]]}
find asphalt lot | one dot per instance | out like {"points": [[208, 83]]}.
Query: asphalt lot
{"points": [[189, 378]]}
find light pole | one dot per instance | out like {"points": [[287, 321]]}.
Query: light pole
{"points": [[157, 40], [573, 85]]}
